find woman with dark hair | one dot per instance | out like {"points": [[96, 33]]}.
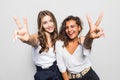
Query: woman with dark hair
{"points": [[43, 44], [72, 51]]}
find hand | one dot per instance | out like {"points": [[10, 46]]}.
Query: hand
{"points": [[95, 30], [22, 32]]}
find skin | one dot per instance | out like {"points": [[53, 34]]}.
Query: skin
{"points": [[72, 30], [49, 27], [22, 33], [95, 31], [48, 24]]}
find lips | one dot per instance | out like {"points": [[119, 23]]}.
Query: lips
{"points": [[50, 28], [70, 34]]}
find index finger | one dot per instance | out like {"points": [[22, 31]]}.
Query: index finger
{"points": [[17, 22], [25, 22], [89, 21], [99, 19]]}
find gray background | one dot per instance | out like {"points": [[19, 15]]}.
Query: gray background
{"points": [[16, 57]]}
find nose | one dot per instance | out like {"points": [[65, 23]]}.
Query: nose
{"points": [[69, 29], [49, 24]]}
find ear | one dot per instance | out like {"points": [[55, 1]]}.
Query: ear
{"points": [[79, 29]]}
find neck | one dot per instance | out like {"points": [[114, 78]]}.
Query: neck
{"points": [[48, 36], [49, 43], [74, 40], [73, 43]]}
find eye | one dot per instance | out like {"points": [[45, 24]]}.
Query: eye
{"points": [[66, 27], [51, 20], [73, 26], [45, 22]]}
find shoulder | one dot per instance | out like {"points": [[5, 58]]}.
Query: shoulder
{"points": [[59, 43], [81, 39], [34, 39], [35, 35], [59, 46]]}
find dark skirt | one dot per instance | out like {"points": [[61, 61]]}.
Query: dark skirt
{"points": [[51, 73]]}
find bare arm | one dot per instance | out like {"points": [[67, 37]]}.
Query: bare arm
{"points": [[33, 40], [95, 32], [88, 41], [65, 76], [22, 33]]}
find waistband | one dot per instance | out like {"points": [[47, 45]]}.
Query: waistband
{"points": [[39, 68]]}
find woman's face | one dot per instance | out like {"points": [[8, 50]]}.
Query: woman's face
{"points": [[72, 29], [48, 24]]}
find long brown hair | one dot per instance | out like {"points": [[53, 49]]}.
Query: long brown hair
{"points": [[62, 34], [41, 33]]}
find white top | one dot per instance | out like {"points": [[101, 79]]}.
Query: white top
{"points": [[73, 63], [44, 59]]}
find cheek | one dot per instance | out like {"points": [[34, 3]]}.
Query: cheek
{"points": [[53, 24], [77, 31], [66, 30], [44, 26]]}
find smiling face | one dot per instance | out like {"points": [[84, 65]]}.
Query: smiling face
{"points": [[48, 24], [72, 29], [47, 30]]}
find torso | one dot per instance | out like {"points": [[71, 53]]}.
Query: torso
{"points": [[44, 59], [73, 57], [71, 47]]}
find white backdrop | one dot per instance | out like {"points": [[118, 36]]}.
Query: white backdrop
{"points": [[16, 58]]}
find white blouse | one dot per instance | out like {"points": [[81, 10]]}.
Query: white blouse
{"points": [[44, 59], [74, 63]]}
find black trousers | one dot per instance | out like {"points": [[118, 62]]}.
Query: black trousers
{"points": [[52, 73], [90, 75]]}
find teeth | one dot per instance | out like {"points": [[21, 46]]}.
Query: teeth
{"points": [[70, 33], [50, 28]]}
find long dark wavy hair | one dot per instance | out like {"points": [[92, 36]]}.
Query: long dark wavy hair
{"points": [[41, 33], [62, 34]]}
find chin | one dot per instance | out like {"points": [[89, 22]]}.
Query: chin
{"points": [[51, 31], [71, 38]]}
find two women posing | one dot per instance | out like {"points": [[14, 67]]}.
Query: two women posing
{"points": [[65, 51]]}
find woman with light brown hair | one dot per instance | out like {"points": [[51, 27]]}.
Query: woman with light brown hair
{"points": [[43, 44]]}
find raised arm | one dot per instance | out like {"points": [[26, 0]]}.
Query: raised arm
{"points": [[22, 33], [95, 31]]}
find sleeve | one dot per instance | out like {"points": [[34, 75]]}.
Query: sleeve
{"points": [[59, 56]]}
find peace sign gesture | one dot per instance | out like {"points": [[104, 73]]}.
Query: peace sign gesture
{"points": [[22, 32], [95, 30]]}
